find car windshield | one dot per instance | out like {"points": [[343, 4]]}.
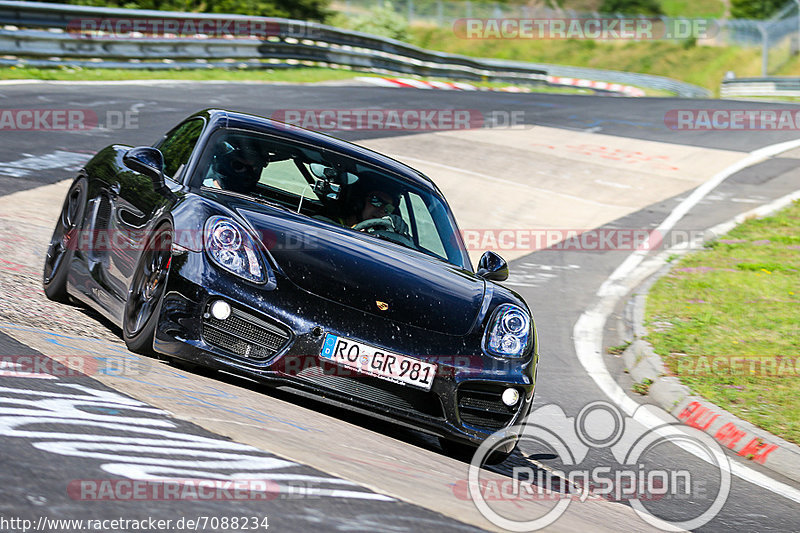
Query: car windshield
{"points": [[331, 187]]}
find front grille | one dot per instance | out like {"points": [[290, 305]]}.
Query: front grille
{"points": [[245, 335], [482, 406], [375, 390]]}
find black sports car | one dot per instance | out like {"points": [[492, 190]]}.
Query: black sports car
{"points": [[291, 257]]}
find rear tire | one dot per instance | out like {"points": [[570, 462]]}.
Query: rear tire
{"points": [[143, 305], [63, 243]]}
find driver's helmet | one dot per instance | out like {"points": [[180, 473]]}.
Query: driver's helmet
{"points": [[237, 166]]}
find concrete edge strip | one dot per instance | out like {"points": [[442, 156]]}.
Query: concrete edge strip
{"points": [[744, 438], [625, 90], [588, 329]]}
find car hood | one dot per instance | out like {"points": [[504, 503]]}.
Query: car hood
{"points": [[368, 274]]}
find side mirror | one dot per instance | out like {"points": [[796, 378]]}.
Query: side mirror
{"points": [[148, 161], [493, 267]]}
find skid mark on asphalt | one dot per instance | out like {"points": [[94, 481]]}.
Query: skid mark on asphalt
{"points": [[536, 274], [657, 162]]}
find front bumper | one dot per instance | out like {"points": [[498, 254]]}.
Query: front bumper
{"points": [[275, 336]]}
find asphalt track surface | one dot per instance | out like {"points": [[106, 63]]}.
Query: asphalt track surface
{"points": [[33, 478]]}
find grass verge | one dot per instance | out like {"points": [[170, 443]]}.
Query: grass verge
{"points": [[289, 75], [726, 321], [700, 65], [295, 75]]}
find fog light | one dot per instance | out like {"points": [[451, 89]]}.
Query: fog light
{"points": [[220, 310], [510, 397]]}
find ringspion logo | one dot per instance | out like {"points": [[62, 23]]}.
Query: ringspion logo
{"points": [[629, 468]]}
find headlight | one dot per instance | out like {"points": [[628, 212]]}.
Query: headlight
{"points": [[508, 332], [232, 248]]}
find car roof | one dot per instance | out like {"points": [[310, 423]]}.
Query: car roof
{"points": [[221, 118]]}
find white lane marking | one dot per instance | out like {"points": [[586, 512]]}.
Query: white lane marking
{"points": [[17, 371], [68, 161], [614, 184], [633, 260], [588, 330], [501, 180], [142, 447], [745, 200]]}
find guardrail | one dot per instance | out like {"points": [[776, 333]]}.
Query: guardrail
{"points": [[760, 87], [51, 34]]}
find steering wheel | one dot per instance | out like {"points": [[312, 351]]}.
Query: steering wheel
{"points": [[384, 229], [372, 224]]}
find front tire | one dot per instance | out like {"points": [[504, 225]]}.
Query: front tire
{"points": [[63, 242], [143, 305]]}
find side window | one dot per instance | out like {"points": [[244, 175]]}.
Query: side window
{"points": [[427, 233], [178, 144]]}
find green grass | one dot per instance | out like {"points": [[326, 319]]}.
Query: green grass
{"points": [[294, 75], [700, 65], [618, 349], [642, 387], [740, 297], [693, 8], [671, 8]]}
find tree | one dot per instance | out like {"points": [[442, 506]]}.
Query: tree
{"points": [[755, 9], [632, 7]]}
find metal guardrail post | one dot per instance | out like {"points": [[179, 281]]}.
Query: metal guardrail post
{"points": [[797, 48]]}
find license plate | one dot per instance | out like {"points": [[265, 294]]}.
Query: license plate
{"points": [[377, 362]]}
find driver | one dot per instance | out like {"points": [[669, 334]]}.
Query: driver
{"points": [[236, 167], [377, 205]]}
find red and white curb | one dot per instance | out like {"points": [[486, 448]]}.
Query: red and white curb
{"points": [[459, 86], [419, 84], [627, 90]]}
